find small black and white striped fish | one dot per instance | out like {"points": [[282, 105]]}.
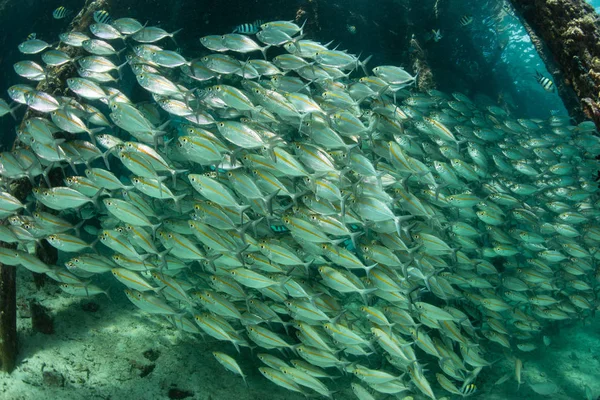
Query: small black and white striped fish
{"points": [[61, 12], [546, 83], [31, 36], [102, 17], [465, 20], [249, 29]]}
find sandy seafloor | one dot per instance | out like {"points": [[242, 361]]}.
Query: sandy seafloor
{"points": [[100, 355]]}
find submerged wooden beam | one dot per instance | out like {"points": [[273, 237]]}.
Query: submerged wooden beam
{"points": [[8, 317], [566, 34], [418, 58], [56, 84]]}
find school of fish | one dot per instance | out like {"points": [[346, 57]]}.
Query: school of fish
{"points": [[276, 194]]}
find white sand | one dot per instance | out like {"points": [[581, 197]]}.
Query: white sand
{"points": [[98, 354]]}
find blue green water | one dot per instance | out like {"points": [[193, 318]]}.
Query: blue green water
{"points": [[303, 204]]}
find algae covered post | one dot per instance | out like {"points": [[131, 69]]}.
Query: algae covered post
{"points": [[8, 316], [8, 310], [565, 33]]}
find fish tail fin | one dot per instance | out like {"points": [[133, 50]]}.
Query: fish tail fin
{"points": [[119, 69], [118, 53], [242, 211], [77, 227], [269, 201], [92, 133], [438, 188], [105, 159], [369, 268], [155, 227], [365, 292], [398, 220], [242, 232], [302, 27], [161, 256], [96, 197], [354, 236], [94, 243], [263, 50], [176, 199], [295, 41], [363, 64], [172, 36], [12, 111], [108, 295]]}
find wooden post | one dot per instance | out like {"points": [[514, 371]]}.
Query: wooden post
{"points": [[309, 11], [565, 33], [418, 58], [8, 317], [20, 189]]}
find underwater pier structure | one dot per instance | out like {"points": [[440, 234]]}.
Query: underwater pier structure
{"points": [[56, 84], [8, 318], [566, 34]]}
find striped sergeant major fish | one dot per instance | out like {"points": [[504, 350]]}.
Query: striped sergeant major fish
{"points": [[249, 29], [546, 83], [31, 36], [466, 20], [102, 17], [61, 12]]}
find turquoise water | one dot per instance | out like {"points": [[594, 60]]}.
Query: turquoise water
{"points": [[336, 200]]}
